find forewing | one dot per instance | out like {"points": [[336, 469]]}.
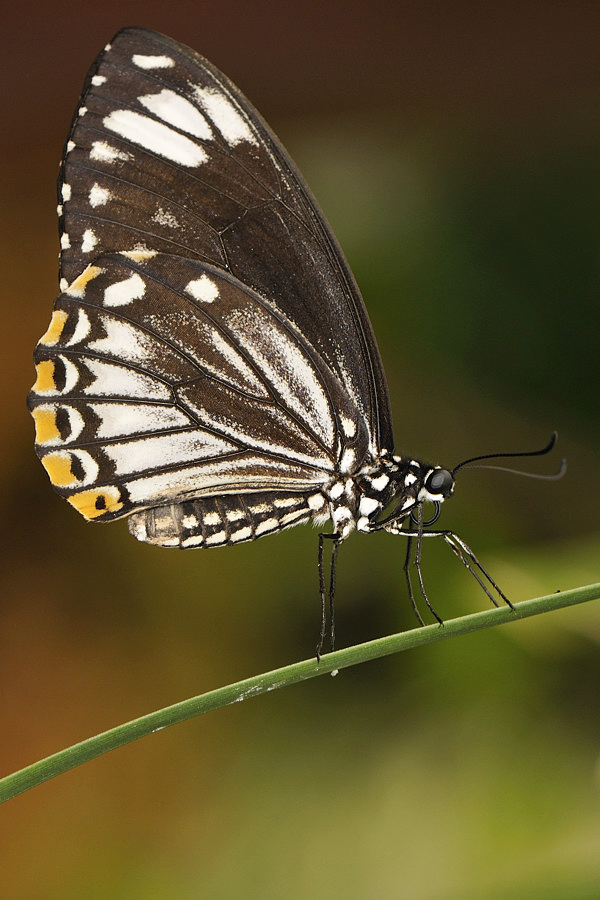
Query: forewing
{"points": [[162, 379], [166, 154]]}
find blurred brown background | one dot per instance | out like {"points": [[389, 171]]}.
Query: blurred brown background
{"points": [[454, 148]]}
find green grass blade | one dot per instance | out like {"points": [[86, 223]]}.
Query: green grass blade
{"points": [[74, 756]]}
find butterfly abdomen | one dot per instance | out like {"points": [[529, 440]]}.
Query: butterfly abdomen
{"points": [[228, 519]]}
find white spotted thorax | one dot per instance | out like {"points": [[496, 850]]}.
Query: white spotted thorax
{"points": [[210, 370]]}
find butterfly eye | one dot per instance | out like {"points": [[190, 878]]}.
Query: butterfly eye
{"points": [[440, 481]]}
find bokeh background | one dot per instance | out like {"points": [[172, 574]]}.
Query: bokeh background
{"points": [[455, 150]]}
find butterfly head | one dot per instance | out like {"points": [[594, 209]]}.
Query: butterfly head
{"points": [[438, 484], [400, 487]]}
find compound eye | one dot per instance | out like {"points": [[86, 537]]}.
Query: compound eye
{"points": [[440, 481]]}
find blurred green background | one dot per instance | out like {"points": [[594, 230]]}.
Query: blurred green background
{"points": [[455, 150]]}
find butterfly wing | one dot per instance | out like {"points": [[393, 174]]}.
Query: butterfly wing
{"points": [[166, 153], [209, 339], [161, 379]]}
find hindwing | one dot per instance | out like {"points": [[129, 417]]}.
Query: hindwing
{"points": [[162, 379]]}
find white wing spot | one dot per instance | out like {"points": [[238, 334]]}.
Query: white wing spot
{"points": [[139, 253], [225, 116], [59, 209], [70, 146], [99, 196], [119, 419], [103, 152], [177, 111], [203, 289], [172, 449], [112, 380], [124, 292], [155, 137], [285, 363], [82, 329], [65, 241], [348, 460], [89, 241], [63, 284], [143, 61], [348, 426], [123, 341], [66, 191], [97, 80], [161, 217]]}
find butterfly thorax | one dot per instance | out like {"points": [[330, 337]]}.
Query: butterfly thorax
{"points": [[395, 485]]}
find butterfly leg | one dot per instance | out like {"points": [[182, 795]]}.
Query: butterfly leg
{"points": [[336, 543], [464, 554], [407, 563], [418, 534], [471, 563]]}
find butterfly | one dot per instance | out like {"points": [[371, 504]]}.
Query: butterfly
{"points": [[210, 370]]}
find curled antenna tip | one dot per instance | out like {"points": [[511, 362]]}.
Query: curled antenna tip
{"points": [[468, 463]]}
